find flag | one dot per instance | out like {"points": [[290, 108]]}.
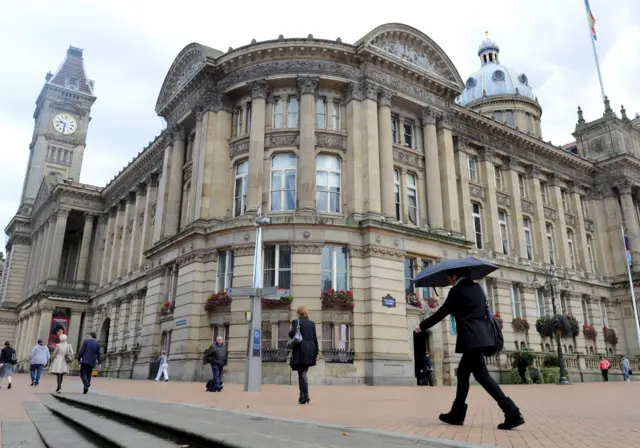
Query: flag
{"points": [[592, 20], [626, 246]]}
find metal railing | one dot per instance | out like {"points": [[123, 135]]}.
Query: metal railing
{"points": [[274, 354], [337, 355]]}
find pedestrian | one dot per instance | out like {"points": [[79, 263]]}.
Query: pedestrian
{"points": [[163, 367], [217, 355], [626, 368], [468, 305], [8, 359], [427, 371], [89, 356], [62, 356], [305, 353], [38, 358], [604, 368], [522, 368]]}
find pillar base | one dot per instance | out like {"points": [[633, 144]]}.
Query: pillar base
{"points": [[383, 372], [306, 211]]}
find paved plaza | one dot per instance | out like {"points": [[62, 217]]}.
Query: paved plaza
{"points": [[584, 415]]}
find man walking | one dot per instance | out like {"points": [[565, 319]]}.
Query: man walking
{"points": [[163, 367], [217, 357], [88, 355], [38, 358], [427, 371]]}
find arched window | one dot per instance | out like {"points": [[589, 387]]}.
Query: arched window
{"points": [[241, 188], [283, 182], [328, 184]]}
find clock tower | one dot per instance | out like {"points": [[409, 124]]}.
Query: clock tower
{"points": [[61, 124]]}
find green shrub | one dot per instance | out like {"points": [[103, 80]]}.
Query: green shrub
{"points": [[551, 375], [522, 354], [551, 361], [514, 377]]}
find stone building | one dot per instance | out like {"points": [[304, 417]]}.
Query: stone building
{"points": [[372, 160]]}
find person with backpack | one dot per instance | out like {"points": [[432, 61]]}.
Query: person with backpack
{"points": [[8, 359], [62, 356], [468, 305]]}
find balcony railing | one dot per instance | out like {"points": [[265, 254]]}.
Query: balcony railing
{"points": [[336, 355], [274, 354]]}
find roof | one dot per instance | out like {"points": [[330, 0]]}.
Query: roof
{"points": [[71, 74]]}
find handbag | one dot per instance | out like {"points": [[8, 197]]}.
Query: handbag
{"points": [[494, 329], [296, 339], [68, 356]]}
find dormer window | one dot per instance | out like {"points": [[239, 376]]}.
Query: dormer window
{"points": [[73, 83]]}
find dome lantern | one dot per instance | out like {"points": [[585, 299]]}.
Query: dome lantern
{"points": [[488, 50]]}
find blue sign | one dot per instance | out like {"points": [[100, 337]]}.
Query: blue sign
{"points": [[388, 301], [181, 323], [256, 342]]}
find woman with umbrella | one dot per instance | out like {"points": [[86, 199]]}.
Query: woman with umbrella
{"points": [[477, 336]]}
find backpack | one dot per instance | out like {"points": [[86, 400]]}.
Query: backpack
{"points": [[14, 357]]}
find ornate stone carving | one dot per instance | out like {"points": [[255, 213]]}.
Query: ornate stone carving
{"points": [[278, 140], [487, 154], [429, 116], [258, 88], [533, 171], [510, 163], [384, 97], [331, 140], [624, 187], [445, 121], [191, 61], [382, 252], [198, 256], [527, 206], [503, 284], [244, 251], [570, 219], [503, 199], [549, 213], [307, 248], [131, 197], [408, 158], [239, 147], [353, 91], [476, 191], [370, 90], [553, 180], [20, 240], [588, 225], [308, 85], [176, 132], [407, 53]]}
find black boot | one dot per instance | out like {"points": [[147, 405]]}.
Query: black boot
{"points": [[301, 398], [456, 415], [512, 416]]}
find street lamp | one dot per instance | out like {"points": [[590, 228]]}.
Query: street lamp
{"points": [[549, 285]]}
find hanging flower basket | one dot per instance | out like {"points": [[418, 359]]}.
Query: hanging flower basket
{"points": [[610, 336], [167, 307], [217, 300], [433, 303], [520, 324], [338, 299], [548, 326], [575, 326], [589, 332], [281, 302], [499, 320], [413, 300]]}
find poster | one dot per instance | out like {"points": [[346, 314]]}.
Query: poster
{"points": [[57, 322], [256, 342]]}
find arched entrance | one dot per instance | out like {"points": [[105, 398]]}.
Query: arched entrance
{"points": [[420, 347], [104, 334]]}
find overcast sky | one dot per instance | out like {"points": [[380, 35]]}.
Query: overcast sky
{"points": [[129, 46]]}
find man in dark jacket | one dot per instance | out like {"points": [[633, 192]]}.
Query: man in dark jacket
{"points": [[89, 356], [522, 369], [468, 305], [427, 371], [216, 355]]}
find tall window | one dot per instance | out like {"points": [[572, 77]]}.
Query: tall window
{"points": [[488, 289], [528, 240], [409, 269], [477, 223], [603, 313], [551, 245], [516, 304], [544, 192], [540, 303], [394, 130], [345, 337], [283, 182], [473, 169], [225, 270], [504, 231], [498, 175], [412, 198], [523, 186], [583, 205], [586, 315], [292, 112], [241, 188], [425, 292], [266, 335], [509, 118], [591, 260], [248, 112], [335, 115], [328, 184], [321, 113], [327, 335], [277, 266], [335, 273], [239, 116], [572, 254], [565, 203], [283, 333], [396, 190], [408, 134], [277, 113], [563, 303]]}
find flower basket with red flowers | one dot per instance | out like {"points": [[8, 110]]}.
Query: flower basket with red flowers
{"points": [[338, 299], [280, 302], [217, 300], [167, 307], [574, 325], [433, 302], [498, 319], [589, 332], [413, 300], [520, 324], [610, 336]]}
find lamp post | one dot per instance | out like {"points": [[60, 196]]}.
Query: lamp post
{"points": [[550, 283]]}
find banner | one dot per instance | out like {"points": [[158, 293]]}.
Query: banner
{"points": [[57, 322]]}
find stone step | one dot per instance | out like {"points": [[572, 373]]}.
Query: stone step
{"points": [[54, 431], [102, 428], [20, 435]]}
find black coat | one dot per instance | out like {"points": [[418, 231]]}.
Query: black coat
{"points": [[217, 355], [466, 302], [89, 352], [6, 355], [306, 352]]}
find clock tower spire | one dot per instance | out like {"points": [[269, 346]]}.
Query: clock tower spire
{"points": [[61, 124]]}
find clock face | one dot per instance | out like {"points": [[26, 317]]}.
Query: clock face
{"points": [[65, 124]]}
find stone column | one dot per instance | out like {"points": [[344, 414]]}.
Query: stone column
{"points": [[43, 270], [136, 229], [117, 238], [74, 329], [562, 245], [193, 142], [516, 226], [582, 253], [148, 218], [256, 145], [631, 225], [34, 257], [354, 164], [446, 157], [385, 142], [161, 204], [371, 151], [46, 314], [108, 241], [490, 218], [541, 249], [432, 171], [306, 177], [125, 308], [83, 259], [56, 245], [18, 341], [174, 193], [26, 337], [464, 191], [128, 226]]}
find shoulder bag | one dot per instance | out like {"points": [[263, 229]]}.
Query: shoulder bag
{"points": [[296, 339], [68, 356], [495, 331]]}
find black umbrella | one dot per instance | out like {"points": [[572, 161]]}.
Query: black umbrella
{"points": [[436, 275]]}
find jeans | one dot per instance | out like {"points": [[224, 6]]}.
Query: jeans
{"points": [[473, 362], [36, 372], [303, 382], [605, 374], [85, 374], [163, 370], [626, 375], [217, 371]]}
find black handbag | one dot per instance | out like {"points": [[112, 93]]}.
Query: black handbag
{"points": [[496, 332]]}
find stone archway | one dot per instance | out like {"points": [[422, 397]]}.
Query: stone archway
{"points": [[104, 334]]}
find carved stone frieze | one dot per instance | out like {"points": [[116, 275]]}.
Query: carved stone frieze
{"points": [[408, 53], [385, 97], [588, 225], [307, 248], [156, 272], [239, 147], [476, 191], [533, 172], [198, 256], [570, 219], [488, 154], [503, 199], [549, 213], [244, 251], [377, 252], [370, 90], [331, 140], [527, 206], [399, 85], [258, 88], [408, 158], [308, 85], [20, 240], [510, 163], [502, 284], [279, 140]]}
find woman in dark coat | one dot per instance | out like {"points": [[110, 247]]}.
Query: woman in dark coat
{"points": [[467, 303], [305, 353]]}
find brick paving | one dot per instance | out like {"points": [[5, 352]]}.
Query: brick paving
{"points": [[582, 415]]}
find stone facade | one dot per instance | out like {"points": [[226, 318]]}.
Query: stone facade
{"points": [[368, 170]]}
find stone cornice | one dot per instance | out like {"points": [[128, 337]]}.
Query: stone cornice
{"points": [[198, 256], [374, 251], [307, 248], [244, 250]]}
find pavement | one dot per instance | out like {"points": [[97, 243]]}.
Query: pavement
{"points": [[580, 415]]}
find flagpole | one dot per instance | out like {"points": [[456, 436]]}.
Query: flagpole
{"points": [[633, 294], [593, 45]]}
